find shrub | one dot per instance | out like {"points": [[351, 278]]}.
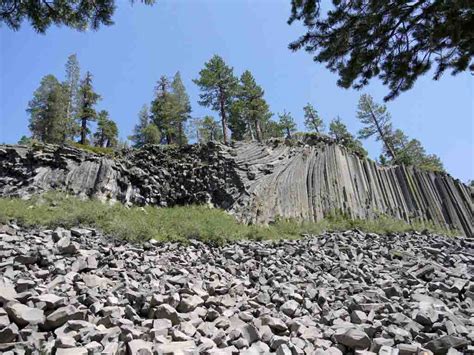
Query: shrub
{"points": [[179, 223]]}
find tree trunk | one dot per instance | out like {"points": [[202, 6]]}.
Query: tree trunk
{"points": [[224, 120], [180, 133], [83, 131], [249, 126], [382, 135], [288, 133], [258, 130]]}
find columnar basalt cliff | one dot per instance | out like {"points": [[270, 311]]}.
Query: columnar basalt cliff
{"points": [[255, 182]]}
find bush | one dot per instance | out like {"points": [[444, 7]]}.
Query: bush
{"points": [[179, 223]]}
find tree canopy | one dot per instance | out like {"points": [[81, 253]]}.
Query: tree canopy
{"points": [[218, 88], [287, 123], [312, 121], [87, 112], [249, 111], [397, 41], [77, 14], [47, 111], [107, 131], [339, 132]]}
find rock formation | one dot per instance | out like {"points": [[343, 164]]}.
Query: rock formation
{"points": [[78, 292], [255, 182]]}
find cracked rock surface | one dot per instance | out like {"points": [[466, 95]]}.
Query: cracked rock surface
{"points": [[78, 292], [256, 182]]}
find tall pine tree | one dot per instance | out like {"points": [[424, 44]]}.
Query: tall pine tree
{"points": [[218, 88], [71, 85], [377, 121], [183, 110], [48, 111], [250, 110], [164, 111], [87, 113]]}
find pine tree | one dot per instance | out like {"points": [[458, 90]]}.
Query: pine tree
{"points": [[48, 111], [377, 121], [77, 14], [218, 87], [209, 130], [71, 85], [287, 124], [312, 121], [183, 108], [272, 129], [107, 131], [87, 113], [411, 152], [145, 132], [164, 111], [339, 132], [397, 41], [250, 111]]}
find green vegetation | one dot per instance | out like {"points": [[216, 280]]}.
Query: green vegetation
{"points": [[182, 223], [79, 14], [109, 151], [170, 110], [361, 40], [397, 147], [61, 111], [287, 124]]}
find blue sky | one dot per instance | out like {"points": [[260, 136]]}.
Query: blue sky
{"points": [[127, 59]]}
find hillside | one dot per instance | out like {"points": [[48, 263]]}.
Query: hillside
{"points": [[255, 182]]}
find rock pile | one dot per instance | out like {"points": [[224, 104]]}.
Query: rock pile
{"points": [[78, 292]]}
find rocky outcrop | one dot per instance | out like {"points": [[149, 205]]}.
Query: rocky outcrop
{"points": [[78, 292], [255, 182]]}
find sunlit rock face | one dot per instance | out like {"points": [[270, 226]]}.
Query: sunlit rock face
{"points": [[256, 182]]}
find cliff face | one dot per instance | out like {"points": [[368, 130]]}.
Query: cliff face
{"points": [[255, 182]]}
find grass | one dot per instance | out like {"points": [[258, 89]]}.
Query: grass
{"points": [[181, 223], [111, 152]]}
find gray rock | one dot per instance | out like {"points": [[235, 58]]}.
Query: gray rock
{"points": [[165, 311], [139, 347], [9, 334], [443, 344], [289, 307], [176, 347], [23, 315], [354, 339]]}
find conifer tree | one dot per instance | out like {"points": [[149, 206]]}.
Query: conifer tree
{"points": [[272, 129], [250, 111], [87, 113], [165, 110], [339, 132], [397, 41], [312, 121], [77, 14], [145, 132], [71, 85], [411, 152], [107, 131], [287, 124], [377, 121], [218, 88], [183, 110], [209, 130], [48, 111]]}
